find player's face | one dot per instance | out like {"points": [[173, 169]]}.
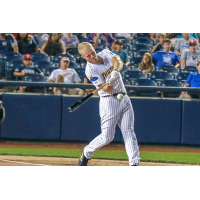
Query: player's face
{"points": [[167, 46], [90, 55], [193, 48], [27, 62]]}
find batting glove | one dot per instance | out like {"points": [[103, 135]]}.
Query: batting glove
{"points": [[115, 74], [110, 81]]}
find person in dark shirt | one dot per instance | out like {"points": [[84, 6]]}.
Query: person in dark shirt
{"points": [[8, 42], [26, 44], [53, 46], [27, 69]]}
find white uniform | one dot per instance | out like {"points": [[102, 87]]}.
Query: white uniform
{"points": [[112, 110]]}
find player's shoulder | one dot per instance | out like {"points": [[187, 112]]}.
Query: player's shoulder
{"points": [[105, 52]]}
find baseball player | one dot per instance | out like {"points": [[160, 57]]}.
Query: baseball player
{"points": [[104, 67]]}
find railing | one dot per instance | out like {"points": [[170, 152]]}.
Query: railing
{"points": [[46, 85]]}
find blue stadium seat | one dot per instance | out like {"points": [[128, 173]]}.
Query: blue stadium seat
{"points": [[39, 56], [127, 47], [169, 68], [172, 83], [10, 68], [35, 78], [126, 82], [124, 40], [161, 75], [138, 47], [73, 51], [81, 73], [147, 35], [191, 68], [143, 40], [182, 76], [134, 74], [43, 64], [142, 52], [47, 71], [136, 60], [98, 50], [7, 57], [81, 38], [146, 93], [57, 57], [73, 65]]}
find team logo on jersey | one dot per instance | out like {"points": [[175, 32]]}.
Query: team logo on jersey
{"points": [[107, 72], [93, 78]]}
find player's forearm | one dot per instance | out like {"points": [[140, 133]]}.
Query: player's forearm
{"points": [[107, 88], [118, 64]]}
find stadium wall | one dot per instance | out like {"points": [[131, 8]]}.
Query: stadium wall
{"points": [[46, 117]]}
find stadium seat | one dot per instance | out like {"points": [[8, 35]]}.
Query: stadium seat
{"points": [[57, 57], [39, 56], [43, 64], [138, 47], [73, 51], [147, 35], [47, 71], [81, 73], [98, 50], [161, 75], [169, 68], [182, 76], [10, 68], [172, 83], [146, 93], [124, 40], [127, 47], [81, 38], [134, 74], [73, 65], [35, 78], [142, 52], [191, 68], [136, 60], [143, 40], [7, 57]]}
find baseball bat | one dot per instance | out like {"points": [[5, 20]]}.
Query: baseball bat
{"points": [[83, 100]]}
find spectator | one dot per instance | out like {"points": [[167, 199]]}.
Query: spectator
{"points": [[183, 43], [27, 69], [191, 56], [166, 57], [26, 44], [193, 80], [159, 45], [70, 40], [101, 39], [40, 38], [128, 36], [65, 75], [8, 42], [92, 43], [53, 46], [122, 53], [15, 34], [146, 66]]}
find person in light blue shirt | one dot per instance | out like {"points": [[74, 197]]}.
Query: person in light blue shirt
{"points": [[166, 57], [121, 53], [193, 80]]}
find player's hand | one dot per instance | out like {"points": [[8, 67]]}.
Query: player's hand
{"points": [[110, 81], [115, 74]]}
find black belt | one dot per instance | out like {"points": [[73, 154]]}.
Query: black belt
{"points": [[115, 94]]}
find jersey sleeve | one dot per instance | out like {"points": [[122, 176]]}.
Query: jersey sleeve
{"points": [[189, 78], [76, 77], [95, 77], [52, 76]]}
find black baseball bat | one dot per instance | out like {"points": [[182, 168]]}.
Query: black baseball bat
{"points": [[83, 100]]}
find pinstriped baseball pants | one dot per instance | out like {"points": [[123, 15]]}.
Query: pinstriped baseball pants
{"points": [[113, 112]]}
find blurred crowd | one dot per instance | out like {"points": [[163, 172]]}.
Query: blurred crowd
{"points": [[22, 55]]}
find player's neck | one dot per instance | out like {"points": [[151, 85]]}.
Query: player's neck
{"points": [[100, 61]]}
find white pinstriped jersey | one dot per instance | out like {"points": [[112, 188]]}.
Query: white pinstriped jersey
{"points": [[99, 73]]}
